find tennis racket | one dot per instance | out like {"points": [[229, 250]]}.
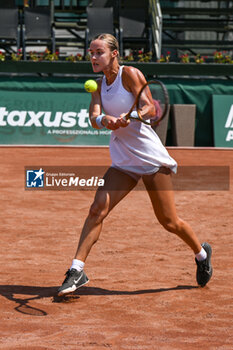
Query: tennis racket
{"points": [[153, 92]]}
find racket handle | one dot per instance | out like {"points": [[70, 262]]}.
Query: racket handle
{"points": [[134, 114]]}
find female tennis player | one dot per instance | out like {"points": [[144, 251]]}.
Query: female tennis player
{"points": [[136, 152]]}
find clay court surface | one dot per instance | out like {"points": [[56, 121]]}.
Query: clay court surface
{"points": [[142, 292]]}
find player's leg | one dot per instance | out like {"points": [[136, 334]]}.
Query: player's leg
{"points": [[159, 187], [116, 186]]}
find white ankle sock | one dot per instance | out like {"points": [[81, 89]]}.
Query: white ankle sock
{"points": [[77, 264], [202, 255]]}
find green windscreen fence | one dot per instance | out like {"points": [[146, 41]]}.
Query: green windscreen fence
{"points": [[200, 92], [47, 112], [223, 120], [54, 111]]}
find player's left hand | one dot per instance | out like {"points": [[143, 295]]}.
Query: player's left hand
{"points": [[110, 122], [122, 122]]}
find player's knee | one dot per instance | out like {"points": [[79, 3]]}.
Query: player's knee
{"points": [[98, 211], [172, 225]]}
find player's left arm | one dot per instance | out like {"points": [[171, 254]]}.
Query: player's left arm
{"points": [[133, 80], [95, 107]]}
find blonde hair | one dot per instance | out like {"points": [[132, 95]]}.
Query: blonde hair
{"points": [[110, 40]]}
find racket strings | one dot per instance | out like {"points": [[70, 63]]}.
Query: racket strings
{"points": [[151, 104], [160, 99], [152, 94]]}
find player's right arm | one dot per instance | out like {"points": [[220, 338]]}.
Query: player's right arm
{"points": [[95, 107], [95, 110]]}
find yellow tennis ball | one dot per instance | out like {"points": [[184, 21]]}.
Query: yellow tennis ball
{"points": [[90, 85]]}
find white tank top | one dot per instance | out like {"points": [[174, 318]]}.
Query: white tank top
{"points": [[115, 98], [136, 148]]}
